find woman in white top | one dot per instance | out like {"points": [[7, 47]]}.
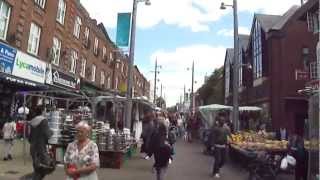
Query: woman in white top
{"points": [[82, 156], [9, 131]]}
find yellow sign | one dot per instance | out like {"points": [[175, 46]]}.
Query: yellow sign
{"points": [[123, 88]]}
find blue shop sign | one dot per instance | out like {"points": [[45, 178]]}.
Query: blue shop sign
{"points": [[7, 57]]}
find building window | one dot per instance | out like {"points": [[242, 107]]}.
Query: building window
{"points": [[110, 56], [313, 70], [56, 47], [40, 3], [96, 45], [93, 73], [313, 21], [102, 78], [34, 39], [77, 27], [83, 67], [61, 11], [117, 64], [116, 85], [74, 58], [109, 82], [257, 51], [104, 52], [86, 34], [5, 10], [122, 67]]}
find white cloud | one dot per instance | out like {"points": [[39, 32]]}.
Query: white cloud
{"points": [[229, 32], [174, 74], [194, 14]]}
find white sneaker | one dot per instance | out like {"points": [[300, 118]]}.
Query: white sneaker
{"points": [[217, 175]]}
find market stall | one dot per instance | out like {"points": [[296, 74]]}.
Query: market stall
{"points": [[63, 110], [209, 113], [115, 143]]}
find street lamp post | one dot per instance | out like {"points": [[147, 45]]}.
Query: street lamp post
{"points": [[156, 71], [131, 61], [235, 82]]}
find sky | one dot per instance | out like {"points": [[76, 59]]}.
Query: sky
{"points": [[178, 32]]}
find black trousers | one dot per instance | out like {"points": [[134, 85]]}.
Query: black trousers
{"points": [[219, 159]]}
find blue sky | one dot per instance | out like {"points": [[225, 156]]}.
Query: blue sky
{"points": [[176, 32]]}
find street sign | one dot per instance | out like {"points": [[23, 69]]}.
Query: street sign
{"points": [[301, 75]]}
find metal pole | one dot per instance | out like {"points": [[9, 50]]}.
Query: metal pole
{"points": [[155, 83], [235, 68], [192, 82], [161, 91], [24, 128], [131, 63]]}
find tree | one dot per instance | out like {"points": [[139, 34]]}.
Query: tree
{"points": [[211, 92]]}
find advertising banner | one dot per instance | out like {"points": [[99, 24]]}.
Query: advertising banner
{"points": [[123, 29], [7, 57], [30, 68]]}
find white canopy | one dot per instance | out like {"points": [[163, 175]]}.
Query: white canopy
{"points": [[209, 112], [214, 107], [249, 108]]}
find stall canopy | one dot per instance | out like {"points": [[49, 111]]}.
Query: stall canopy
{"points": [[209, 112]]}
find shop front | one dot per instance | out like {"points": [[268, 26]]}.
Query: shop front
{"points": [[18, 72]]}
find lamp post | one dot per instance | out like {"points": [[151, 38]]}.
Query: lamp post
{"points": [[235, 82], [192, 83], [131, 61]]}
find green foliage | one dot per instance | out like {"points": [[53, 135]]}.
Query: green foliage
{"points": [[211, 92]]}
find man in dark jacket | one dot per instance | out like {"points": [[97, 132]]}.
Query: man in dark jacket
{"points": [[147, 129], [218, 141], [161, 150], [39, 136]]}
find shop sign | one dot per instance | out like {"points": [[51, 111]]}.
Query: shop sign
{"points": [[7, 57], [20, 81], [30, 68], [59, 78]]}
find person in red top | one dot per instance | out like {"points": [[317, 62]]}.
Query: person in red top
{"points": [[19, 127]]}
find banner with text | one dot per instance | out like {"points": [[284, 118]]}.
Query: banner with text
{"points": [[7, 57]]}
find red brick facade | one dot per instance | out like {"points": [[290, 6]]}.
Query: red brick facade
{"points": [[25, 12]]}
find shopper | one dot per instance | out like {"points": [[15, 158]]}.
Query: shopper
{"points": [[82, 156], [219, 140], [39, 136], [298, 151], [147, 129], [9, 131], [161, 150]]}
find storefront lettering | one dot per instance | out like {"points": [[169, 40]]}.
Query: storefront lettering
{"points": [[36, 70], [65, 82]]}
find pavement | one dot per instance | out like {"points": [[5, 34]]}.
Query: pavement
{"points": [[189, 164]]}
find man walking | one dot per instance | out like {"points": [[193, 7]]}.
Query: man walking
{"points": [[219, 140]]}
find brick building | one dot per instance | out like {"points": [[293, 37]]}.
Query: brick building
{"points": [[60, 35], [276, 49]]}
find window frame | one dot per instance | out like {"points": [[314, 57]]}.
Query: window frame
{"points": [[77, 27], [93, 72], [83, 67], [104, 52], [74, 58], [96, 46], [257, 51], [102, 77], [56, 60], [40, 3], [6, 18], [313, 70], [32, 38], [61, 12]]}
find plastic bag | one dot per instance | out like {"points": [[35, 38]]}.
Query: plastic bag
{"points": [[284, 164], [291, 160]]}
